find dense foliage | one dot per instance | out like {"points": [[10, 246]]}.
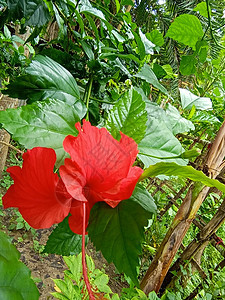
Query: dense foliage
{"points": [[154, 71]]}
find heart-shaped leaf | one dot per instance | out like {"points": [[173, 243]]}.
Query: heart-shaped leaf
{"points": [[118, 232], [128, 116], [63, 241]]}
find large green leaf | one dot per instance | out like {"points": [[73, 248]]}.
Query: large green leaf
{"points": [[39, 16], [148, 75], [43, 124], [178, 123], [45, 79], [186, 29], [172, 169], [188, 100], [129, 116], [159, 144], [15, 279], [63, 241], [118, 232]]}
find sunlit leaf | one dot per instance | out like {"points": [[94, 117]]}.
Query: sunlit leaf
{"points": [[155, 37], [178, 123], [188, 100], [159, 144], [172, 169], [186, 29], [202, 9], [128, 116]]}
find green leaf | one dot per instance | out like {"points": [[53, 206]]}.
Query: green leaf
{"points": [[38, 17], [148, 75], [202, 50], [86, 7], [19, 9], [148, 45], [87, 50], [186, 29], [15, 279], [178, 123], [153, 296], [127, 2], [187, 64], [205, 116], [128, 116], [140, 45], [202, 9], [63, 241], [155, 37], [159, 144], [118, 232], [188, 100], [43, 124], [172, 169], [45, 79]]}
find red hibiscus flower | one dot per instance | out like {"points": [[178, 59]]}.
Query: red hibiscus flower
{"points": [[99, 169]]}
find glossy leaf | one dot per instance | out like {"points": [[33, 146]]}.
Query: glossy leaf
{"points": [[43, 124], [35, 12], [148, 75], [15, 279], [148, 45], [86, 7], [186, 29], [63, 241], [119, 232], [188, 100], [159, 144], [45, 79], [39, 16], [178, 123], [129, 116], [172, 169]]}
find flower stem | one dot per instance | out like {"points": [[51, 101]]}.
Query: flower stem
{"points": [[86, 280], [89, 87]]}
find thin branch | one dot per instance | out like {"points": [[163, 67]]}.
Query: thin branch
{"points": [[12, 147]]}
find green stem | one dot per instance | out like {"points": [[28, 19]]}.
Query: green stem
{"points": [[88, 94]]}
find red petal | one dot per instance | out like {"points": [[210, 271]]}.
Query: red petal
{"points": [[76, 218], [103, 160], [73, 179], [124, 189], [34, 189]]}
